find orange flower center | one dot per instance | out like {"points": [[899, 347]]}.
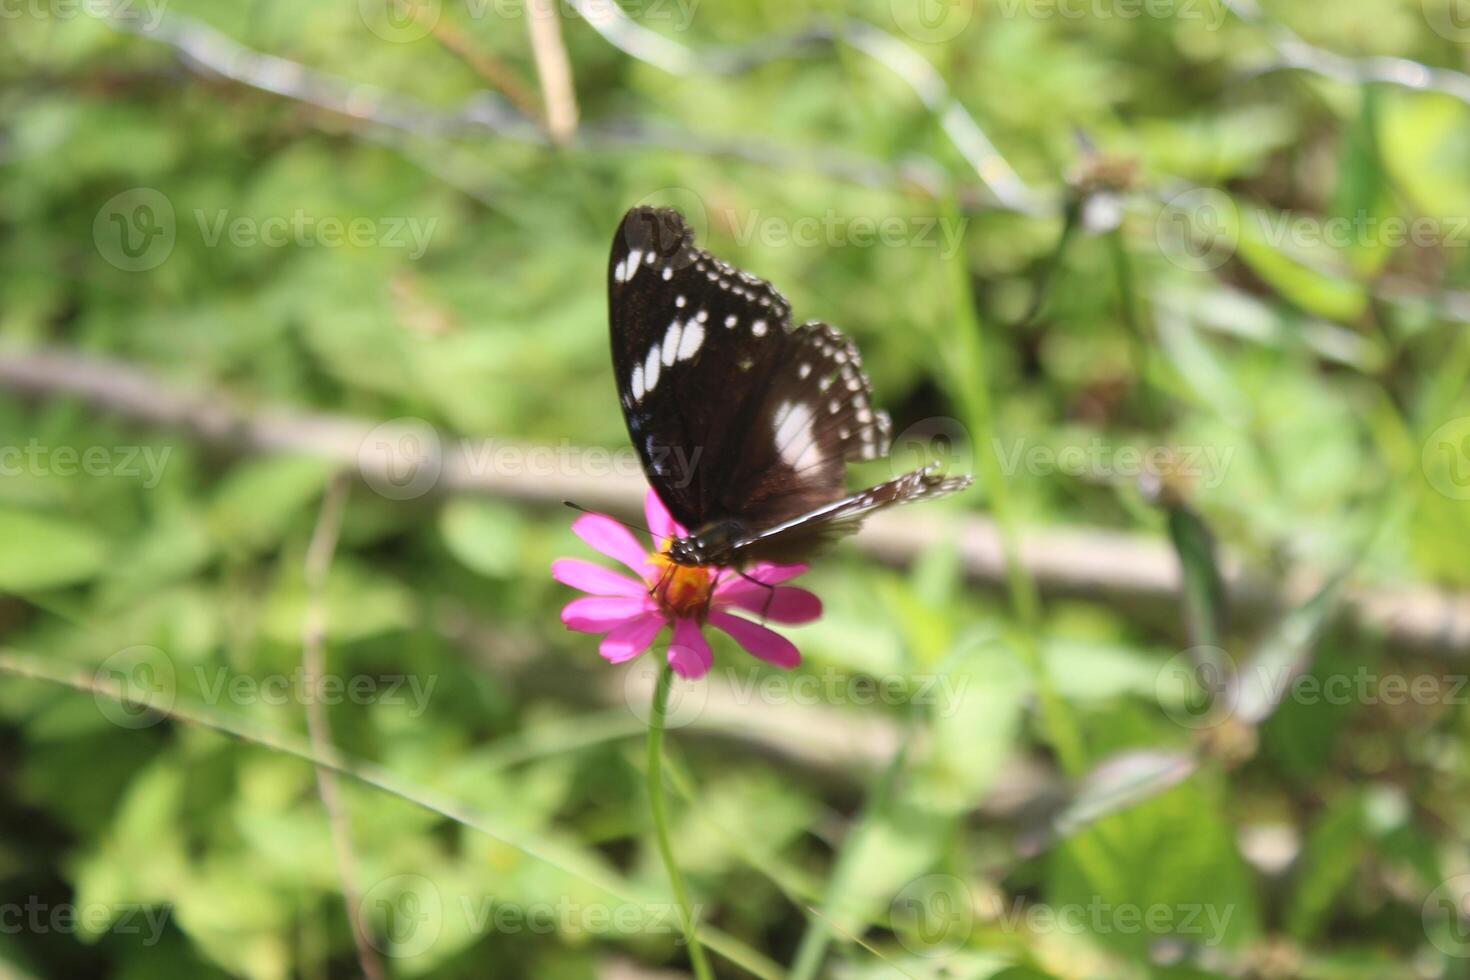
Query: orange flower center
{"points": [[682, 591]]}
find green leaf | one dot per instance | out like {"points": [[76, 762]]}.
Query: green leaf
{"points": [[1362, 194], [975, 704], [1203, 597], [1286, 652], [1298, 274], [257, 502], [42, 552], [359, 603], [485, 536], [1166, 867], [1334, 849], [175, 546], [1425, 139]]}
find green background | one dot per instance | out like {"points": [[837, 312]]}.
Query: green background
{"points": [[1062, 808]]}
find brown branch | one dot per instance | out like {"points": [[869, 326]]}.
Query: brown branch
{"points": [[554, 69], [487, 66], [1089, 563], [313, 666]]}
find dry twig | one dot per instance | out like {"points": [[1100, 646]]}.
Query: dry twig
{"points": [[554, 69], [313, 666], [1090, 563]]}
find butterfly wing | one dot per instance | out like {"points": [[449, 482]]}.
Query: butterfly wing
{"points": [[815, 416], [741, 420], [795, 539], [695, 344]]}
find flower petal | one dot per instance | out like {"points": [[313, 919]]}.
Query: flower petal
{"points": [[766, 644], [689, 654], [612, 539], [632, 637], [595, 579], [660, 521], [598, 614], [783, 604]]}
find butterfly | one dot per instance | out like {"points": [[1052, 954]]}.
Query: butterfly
{"points": [[743, 422]]}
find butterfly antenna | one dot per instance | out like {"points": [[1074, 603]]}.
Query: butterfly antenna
{"points": [[627, 524]]}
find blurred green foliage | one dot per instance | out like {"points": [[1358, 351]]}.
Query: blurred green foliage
{"points": [[1319, 384]]}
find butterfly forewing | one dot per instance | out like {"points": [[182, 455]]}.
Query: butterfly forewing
{"points": [[694, 344], [797, 538]]}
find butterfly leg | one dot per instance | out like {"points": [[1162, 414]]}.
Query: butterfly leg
{"points": [[663, 580], [770, 593]]}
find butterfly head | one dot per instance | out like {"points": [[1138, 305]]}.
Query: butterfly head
{"points": [[686, 551], [712, 544]]}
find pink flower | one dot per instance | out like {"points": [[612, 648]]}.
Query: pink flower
{"points": [[632, 610]]}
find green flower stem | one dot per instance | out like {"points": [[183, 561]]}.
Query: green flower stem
{"points": [[660, 819], [970, 385]]}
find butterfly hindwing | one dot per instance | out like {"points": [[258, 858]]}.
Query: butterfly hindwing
{"points": [[816, 416]]}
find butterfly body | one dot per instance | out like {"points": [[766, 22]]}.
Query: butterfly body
{"points": [[744, 423], [707, 545]]}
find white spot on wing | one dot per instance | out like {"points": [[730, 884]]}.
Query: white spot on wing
{"points": [[796, 435], [651, 368], [731, 320], [668, 273], [620, 271], [758, 328], [689, 343], [671, 343], [634, 257], [804, 370], [637, 384]]}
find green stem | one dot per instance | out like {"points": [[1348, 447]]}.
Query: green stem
{"points": [[969, 381], [818, 936], [1138, 340], [660, 819]]}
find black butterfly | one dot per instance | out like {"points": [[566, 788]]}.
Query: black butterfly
{"points": [[744, 424]]}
